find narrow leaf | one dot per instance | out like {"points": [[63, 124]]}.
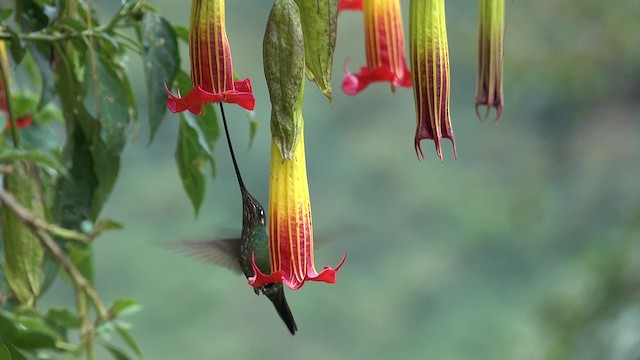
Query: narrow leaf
{"points": [[190, 158], [129, 340]]}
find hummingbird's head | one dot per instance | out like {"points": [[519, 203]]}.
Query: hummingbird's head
{"points": [[252, 211]]}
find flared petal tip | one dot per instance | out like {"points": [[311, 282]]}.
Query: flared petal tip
{"points": [[197, 98], [352, 83], [355, 5], [260, 279], [497, 106], [420, 154], [328, 275]]}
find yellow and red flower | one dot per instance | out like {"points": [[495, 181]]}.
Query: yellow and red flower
{"points": [[430, 68], [290, 225], [384, 45], [211, 67]]}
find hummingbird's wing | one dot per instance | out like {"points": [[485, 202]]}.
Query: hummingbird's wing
{"points": [[224, 252]]}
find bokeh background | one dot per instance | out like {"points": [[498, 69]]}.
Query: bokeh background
{"points": [[526, 247]]}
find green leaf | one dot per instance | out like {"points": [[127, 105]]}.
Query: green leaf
{"points": [[4, 352], [34, 156], [105, 98], [63, 317], [115, 352], [161, 63], [26, 332], [208, 125], [182, 32], [190, 158], [104, 225], [319, 24], [253, 127], [4, 15], [23, 252], [125, 307], [128, 339], [82, 258]]}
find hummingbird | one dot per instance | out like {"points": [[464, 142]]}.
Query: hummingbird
{"points": [[236, 254]]}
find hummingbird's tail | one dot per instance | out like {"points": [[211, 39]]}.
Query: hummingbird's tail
{"points": [[276, 294]]}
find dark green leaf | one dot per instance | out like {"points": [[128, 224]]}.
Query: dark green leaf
{"points": [[5, 13], [190, 158], [3, 120], [16, 47], [4, 352], [17, 354], [161, 63], [129, 340], [48, 90], [115, 352], [105, 97], [82, 258], [35, 156], [125, 307], [208, 124], [26, 332], [63, 317]]}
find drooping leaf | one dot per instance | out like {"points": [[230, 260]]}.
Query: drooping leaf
{"points": [[319, 24], [115, 352], [208, 125], [4, 352], [161, 63], [105, 98], [129, 340], [48, 90], [283, 59], [22, 250], [191, 158]]}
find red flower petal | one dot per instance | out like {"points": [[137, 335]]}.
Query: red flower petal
{"points": [[328, 274], [260, 279], [243, 99], [349, 5], [354, 83], [243, 86], [21, 122]]}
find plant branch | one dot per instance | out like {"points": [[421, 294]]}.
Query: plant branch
{"points": [[79, 282]]}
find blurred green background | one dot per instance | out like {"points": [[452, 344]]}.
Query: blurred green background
{"points": [[526, 247]]}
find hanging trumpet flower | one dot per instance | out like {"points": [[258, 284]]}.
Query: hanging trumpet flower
{"points": [[430, 70], [384, 44], [490, 57], [211, 68], [290, 225]]}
